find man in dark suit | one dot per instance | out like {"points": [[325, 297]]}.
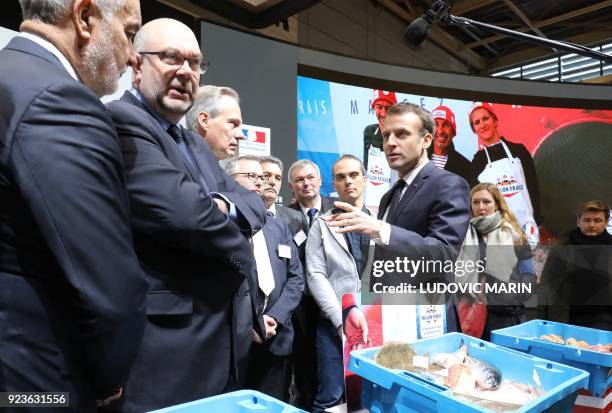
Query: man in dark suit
{"points": [[71, 290], [273, 174], [190, 220], [305, 182], [217, 118], [281, 284], [426, 213], [210, 118]]}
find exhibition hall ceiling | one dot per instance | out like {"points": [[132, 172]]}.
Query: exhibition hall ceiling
{"points": [[585, 22]]}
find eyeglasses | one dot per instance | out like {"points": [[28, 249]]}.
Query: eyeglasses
{"points": [[176, 59], [252, 176]]}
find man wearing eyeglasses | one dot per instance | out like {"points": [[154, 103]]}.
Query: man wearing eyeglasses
{"points": [[216, 116], [280, 282], [273, 173], [190, 220]]}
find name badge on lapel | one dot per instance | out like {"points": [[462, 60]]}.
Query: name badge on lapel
{"points": [[299, 238], [284, 251]]}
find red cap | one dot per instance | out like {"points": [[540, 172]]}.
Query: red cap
{"points": [[484, 105], [444, 112], [481, 105], [383, 95]]}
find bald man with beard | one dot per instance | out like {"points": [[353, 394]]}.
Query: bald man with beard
{"points": [[191, 222]]}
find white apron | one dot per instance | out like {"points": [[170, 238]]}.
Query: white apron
{"points": [[508, 175], [380, 177]]}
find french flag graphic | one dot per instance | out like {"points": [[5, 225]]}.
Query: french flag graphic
{"points": [[254, 135]]}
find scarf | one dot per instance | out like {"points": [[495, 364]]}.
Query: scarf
{"points": [[576, 237], [500, 262]]}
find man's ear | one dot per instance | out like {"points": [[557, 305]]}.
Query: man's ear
{"points": [[82, 13], [427, 139], [203, 118], [136, 70]]}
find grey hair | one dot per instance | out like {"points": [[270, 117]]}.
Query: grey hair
{"points": [[231, 165], [272, 159], [300, 164], [352, 157], [54, 11], [207, 100]]}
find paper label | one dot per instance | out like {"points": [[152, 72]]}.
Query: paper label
{"points": [[420, 361], [284, 251], [299, 238]]}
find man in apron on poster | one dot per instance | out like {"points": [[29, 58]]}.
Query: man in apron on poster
{"points": [[510, 166], [381, 101]]}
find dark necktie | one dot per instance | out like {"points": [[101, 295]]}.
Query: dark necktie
{"points": [[177, 135], [311, 214], [397, 195], [270, 214]]}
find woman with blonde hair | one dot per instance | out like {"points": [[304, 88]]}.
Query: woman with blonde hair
{"points": [[495, 236]]}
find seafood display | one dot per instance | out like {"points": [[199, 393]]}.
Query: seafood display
{"points": [[473, 380], [396, 355], [602, 348]]}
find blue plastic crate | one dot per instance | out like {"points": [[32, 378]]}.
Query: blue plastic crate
{"points": [[394, 391], [242, 401], [526, 337]]}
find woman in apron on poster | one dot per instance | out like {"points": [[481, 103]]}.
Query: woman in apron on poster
{"points": [[510, 167]]}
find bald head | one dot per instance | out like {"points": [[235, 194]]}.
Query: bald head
{"points": [[165, 28], [167, 72]]}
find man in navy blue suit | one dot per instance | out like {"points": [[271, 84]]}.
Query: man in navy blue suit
{"points": [[191, 222], [71, 288], [426, 213], [280, 282]]}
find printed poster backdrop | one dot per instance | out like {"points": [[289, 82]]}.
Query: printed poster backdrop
{"points": [[571, 148]]}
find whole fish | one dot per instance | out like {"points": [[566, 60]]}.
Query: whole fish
{"points": [[446, 360], [510, 392], [487, 375], [460, 379]]}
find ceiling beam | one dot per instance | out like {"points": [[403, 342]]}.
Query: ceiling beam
{"points": [[602, 80], [413, 13], [542, 51], [255, 5], [273, 31], [186, 7], [463, 6], [546, 22], [523, 17], [440, 38]]}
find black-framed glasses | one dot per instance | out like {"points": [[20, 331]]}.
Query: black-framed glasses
{"points": [[176, 59], [251, 176]]}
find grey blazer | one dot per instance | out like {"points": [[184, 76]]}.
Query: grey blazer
{"points": [[330, 268]]}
